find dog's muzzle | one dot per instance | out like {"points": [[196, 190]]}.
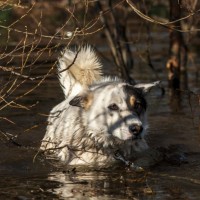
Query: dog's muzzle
{"points": [[136, 131]]}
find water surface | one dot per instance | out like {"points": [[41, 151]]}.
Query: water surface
{"points": [[172, 121]]}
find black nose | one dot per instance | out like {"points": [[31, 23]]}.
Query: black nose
{"points": [[135, 129]]}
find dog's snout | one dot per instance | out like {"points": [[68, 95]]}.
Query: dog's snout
{"points": [[135, 129]]}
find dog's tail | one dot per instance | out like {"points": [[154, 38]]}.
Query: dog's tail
{"points": [[77, 70]]}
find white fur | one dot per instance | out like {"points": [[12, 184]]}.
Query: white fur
{"points": [[91, 133]]}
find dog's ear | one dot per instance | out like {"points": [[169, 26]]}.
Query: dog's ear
{"points": [[146, 87], [83, 100]]}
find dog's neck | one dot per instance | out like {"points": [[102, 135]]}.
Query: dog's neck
{"points": [[96, 141]]}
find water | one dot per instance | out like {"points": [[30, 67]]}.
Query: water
{"points": [[173, 121], [24, 175]]}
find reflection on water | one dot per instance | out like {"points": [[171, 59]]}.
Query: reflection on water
{"points": [[22, 178], [173, 120], [118, 184]]}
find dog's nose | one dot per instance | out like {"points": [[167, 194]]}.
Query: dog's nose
{"points": [[135, 129]]}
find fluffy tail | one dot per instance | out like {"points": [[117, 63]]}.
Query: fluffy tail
{"points": [[77, 70]]}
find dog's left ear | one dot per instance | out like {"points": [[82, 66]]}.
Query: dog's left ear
{"points": [[83, 100], [146, 87]]}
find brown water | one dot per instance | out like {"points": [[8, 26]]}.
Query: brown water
{"points": [[173, 120]]}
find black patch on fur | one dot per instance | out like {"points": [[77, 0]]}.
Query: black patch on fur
{"points": [[77, 101], [137, 93]]}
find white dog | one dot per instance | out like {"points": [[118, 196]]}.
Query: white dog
{"points": [[98, 116]]}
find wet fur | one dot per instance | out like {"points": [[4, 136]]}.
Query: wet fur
{"points": [[82, 130]]}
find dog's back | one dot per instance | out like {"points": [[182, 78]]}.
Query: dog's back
{"points": [[76, 72]]}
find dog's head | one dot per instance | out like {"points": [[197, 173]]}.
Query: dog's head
{"points": [[115, 108]]}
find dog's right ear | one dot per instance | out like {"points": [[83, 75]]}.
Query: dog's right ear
{"points": [[146, 87], [83, 100]]}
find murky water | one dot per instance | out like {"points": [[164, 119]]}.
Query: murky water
{"points": [[173, 120]]}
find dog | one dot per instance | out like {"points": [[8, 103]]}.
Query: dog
{"points": [[99, 116]]}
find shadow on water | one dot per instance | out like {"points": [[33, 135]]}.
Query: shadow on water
{"points": [[162, 182], [172, 122]]}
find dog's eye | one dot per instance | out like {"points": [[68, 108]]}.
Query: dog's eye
{"points": [[113, 107], [138, 106]]}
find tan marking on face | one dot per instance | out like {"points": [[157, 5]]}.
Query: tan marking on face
{"points": [[132, 100], [88, 101]]}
